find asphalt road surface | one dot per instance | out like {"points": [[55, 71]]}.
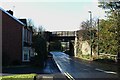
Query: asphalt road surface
{"points": [[76, 70]]}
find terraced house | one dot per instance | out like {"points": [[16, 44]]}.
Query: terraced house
{"points": [[16, 39]]}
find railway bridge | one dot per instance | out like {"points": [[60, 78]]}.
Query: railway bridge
{"points": [[65, 38]]}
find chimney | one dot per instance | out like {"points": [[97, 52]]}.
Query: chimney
{"points": [[24, 21], [10, 12]]}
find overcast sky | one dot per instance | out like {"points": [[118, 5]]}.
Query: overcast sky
{"points": [[54, 15]]}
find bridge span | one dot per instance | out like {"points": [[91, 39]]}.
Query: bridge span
{"points": [[65, 38]]}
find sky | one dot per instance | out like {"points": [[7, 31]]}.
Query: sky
{"points": [[54, 15]]}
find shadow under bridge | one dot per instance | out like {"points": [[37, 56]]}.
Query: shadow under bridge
{"points": [[66, 42]]}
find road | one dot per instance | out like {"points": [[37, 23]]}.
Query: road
{"points": [[76, 70]]}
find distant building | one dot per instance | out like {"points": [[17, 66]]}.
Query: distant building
{"points": [[16, 40]]}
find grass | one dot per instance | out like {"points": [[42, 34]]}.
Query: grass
{"points": [[19, 77], [84, 57]]}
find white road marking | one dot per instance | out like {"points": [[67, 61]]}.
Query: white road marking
{"points": [[69, 76], [109, 72]]}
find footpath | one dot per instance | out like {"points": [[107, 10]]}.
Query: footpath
{"points": [[51, 72]]}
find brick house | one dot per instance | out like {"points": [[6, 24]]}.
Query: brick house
{"points": [[27, 42], [16, 40]]}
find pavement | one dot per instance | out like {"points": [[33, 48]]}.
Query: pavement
{"points": [[50, 72], [57, 76], [50, 68], [76, 69]]}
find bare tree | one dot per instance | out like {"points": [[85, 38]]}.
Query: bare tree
{"points": [[85, 25], [30, 23]]}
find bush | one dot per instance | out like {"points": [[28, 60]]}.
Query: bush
{"points": [[86, 56], [37, 61], [40, 46]]}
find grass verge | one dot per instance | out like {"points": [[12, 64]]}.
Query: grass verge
{"points": [[19, 77]]}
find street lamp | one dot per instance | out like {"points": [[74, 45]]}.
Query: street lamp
{"points": [[98, 36], [90, 31]]}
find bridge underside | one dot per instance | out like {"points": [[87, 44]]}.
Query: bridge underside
{"points": [[66, 39], [62, 38]]}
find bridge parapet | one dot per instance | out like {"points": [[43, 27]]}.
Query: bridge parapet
{"points": [[64, 33]]}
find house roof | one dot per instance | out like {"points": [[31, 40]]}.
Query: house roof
{"points": [[12, 16]]}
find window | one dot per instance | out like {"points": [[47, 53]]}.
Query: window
{"points": [[26, 35], [23, 33], [26, 55], [30, 37]]}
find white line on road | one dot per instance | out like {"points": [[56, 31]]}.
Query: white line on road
{"points": [[69, 76], [62, 71], [110, 72]]}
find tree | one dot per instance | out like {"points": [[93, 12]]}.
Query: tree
{"points": [[107, 37], [88, 30], [85, 25], [109, 34], [40, 46], [88, 34], [110, 4], [30, 22], [41, 30]]}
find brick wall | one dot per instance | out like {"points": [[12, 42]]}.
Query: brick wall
{"points": [[11, 39]]}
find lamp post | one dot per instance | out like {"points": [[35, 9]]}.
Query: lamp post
{"points": [[98, 37], [90, 32]]}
